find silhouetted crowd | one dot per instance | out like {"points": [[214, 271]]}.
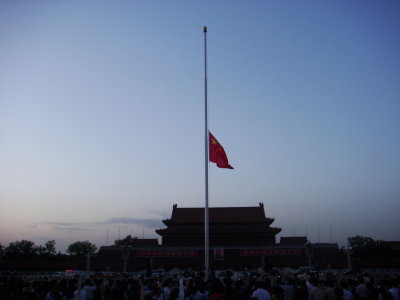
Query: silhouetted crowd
{"points": [[262, 287]]}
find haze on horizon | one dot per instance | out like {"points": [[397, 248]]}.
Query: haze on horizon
{"points": [[102, 117]]}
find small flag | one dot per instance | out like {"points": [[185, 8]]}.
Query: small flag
{"points": [[217, 153]]}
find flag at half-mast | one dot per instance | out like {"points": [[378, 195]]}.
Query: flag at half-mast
{"points": [[217, 153]]}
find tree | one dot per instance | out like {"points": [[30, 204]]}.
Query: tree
{"points": [[359, 244], [126, 242], [51, 247], [40, 250], [81, 248], [366, 246], [21, 248]]}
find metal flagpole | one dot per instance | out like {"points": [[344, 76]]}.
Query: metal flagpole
{"points": [[206, 140]]}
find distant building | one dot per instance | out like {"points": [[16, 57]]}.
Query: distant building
{"points": [[240, 237], [229, 226], [144, 242], [293, 240]]}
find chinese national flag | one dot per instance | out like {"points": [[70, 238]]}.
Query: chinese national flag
{"points": [[217, 153]]}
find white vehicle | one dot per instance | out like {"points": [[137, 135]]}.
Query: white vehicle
{"points": [[301, 272], [72, 273], [240, 275], [224, 274], [57, 275]]}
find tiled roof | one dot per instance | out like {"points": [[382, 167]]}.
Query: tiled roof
{"points": [[219, 215], [219, 230]]}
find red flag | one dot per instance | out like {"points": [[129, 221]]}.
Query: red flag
{"points": [[217, 153]]}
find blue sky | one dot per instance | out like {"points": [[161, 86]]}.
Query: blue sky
{"points": [[102, 115]]}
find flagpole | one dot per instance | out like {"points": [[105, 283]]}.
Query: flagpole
{"points": [[206, 141]]}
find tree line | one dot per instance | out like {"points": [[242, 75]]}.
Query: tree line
{"points": [[366, 247], [358, 245], [25, 248]]}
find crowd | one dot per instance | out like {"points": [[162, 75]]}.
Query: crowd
{"points": [[263, 287]]}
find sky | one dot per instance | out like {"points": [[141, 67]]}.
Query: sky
{"points": [[102, 116]]}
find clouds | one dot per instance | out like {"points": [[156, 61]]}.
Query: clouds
{"points": [[99, 232], [79, 227], [72, 228], [151, 223]]}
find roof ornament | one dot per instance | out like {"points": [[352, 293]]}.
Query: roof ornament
{"points": [[261, 204]]}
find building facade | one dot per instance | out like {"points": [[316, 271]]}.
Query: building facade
{"points": [[240, 237]]}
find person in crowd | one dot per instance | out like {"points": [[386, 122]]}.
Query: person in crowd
{"points": [[54, 293], [79, 293], [394, 289], [288, 288], [383, 291], [361, 289], [317, 291], [330, 289], [89, 289], [217, 291], [202, 293], [347, 293], [301, 291], [260, 293], [339, 293]]}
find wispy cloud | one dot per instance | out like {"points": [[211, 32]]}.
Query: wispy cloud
{"points": [[66, 223], [74, 227], [157, 212], [70, 227], [151, 223]]}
